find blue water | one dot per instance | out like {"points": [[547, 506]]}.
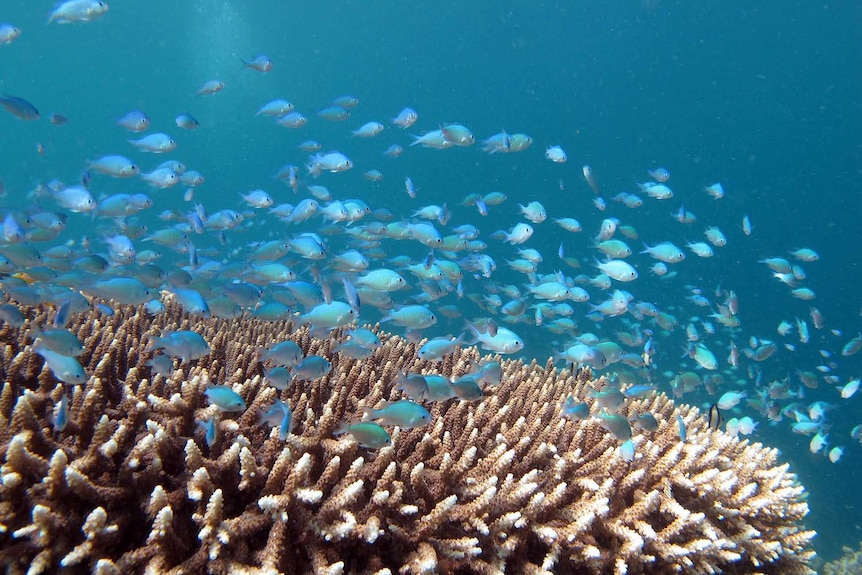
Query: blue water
{"points": [[765, 99]]}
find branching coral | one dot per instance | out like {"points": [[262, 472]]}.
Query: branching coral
{"points": [[502, 484]]}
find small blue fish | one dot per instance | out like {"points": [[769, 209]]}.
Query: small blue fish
{"points": [[259, 63], [135, 121], [616, 424], [61, 419], [192, 301], [186, 345], [681, 423], [367, 434], [637, 391], [129, 291], [157, 143], [576, 411], [161, 365], [58, 340], [224, 398], [279, 377], [12, 315], [210, 428], [77, 11], [490, 374], [312, 367], [19, 107], [104, 309], [627, 450], [646, 421], [187, 122], [279, 414], [439, 388], [405, 414], [334, 113], [66, 369], [353, 350], [413, 384], [286, 353], [211, 87], [467, 388], [154, 307]]}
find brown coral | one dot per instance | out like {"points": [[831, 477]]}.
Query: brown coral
{"points": [[504, 484]]}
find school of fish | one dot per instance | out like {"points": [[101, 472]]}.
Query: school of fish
{"points": [[576, 277]]}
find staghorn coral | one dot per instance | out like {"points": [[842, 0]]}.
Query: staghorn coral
{"points": [[850, 563], [504, 484]]}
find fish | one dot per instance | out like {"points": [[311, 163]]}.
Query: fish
{"points": [[224, 398], [77, 11], [210, 428], [211, 87], [257, 199], [367, 434], [627, 450], [115, 166], [518, 234], [411, 316], [505, 341], [185, 345], [852, 347], [293, 120], [556, 154], [368, 130], [65, 368], [310, 368], [260, 63], [286, 353], [186, 122], [619, 270], [329, 315], [434, 349], [61, 416], [616, 425], [713, 418], [716, 191], [457, 135], [135, 121], [157, 143], [58, 340], [730, 399], [466, 388], [646, 422], [333, 162], [660, 175], [8, 33], [334, 113], [278, 415], [403, 413], [58, 119], [433, 139], [276, 108], [19, 107], [576, 411], [534, 211], [405, 118], [681, 426]]}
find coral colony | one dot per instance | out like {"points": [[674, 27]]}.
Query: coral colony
{"points": [[137, 471]]}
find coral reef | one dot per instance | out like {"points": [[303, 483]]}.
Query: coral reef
{"points": [[504, 484], [848, 564]]}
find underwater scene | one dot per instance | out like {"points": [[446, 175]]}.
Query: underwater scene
{"points": [[636, 223]]}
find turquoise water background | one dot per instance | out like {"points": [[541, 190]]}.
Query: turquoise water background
{"points": [[765, 98]]}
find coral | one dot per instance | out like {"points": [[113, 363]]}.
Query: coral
{"points": [[848, 564], [501, 484]]}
